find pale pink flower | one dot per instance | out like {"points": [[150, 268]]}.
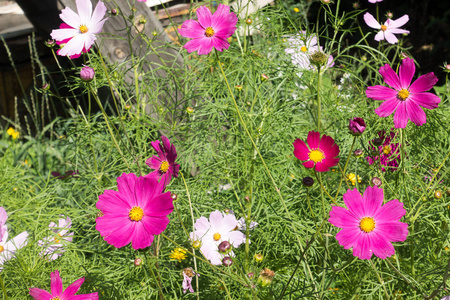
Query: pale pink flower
{"points": [[8, 249], [211, 233], [375, 1], [188, 275], [388, 29], [54, 245], [3, 218], [77, 33]]}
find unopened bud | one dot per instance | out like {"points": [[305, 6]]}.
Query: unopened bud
{"points": [[227, 261], [138, 262], [46, 87], [196, 244], [264, 77], [248, 21], [438, 195], [189, 110], [224, 247], [238, 87], [318, 58], [114, 11], [258, 257], [50, 43], [358, 153], [87, 73], [389, 15], [308, 181], [154, 33], [356, 5], [377, 142], [375, 181], [174, 196]]}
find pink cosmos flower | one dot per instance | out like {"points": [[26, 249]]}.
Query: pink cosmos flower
{"points": [[57, 292], [210, 31], [375, 1], [389, 152], [320, 153], [3, 218], [135, 213], [388, 29], [163, 163], [77, 33], [188, 275], [406, 98], [367, 225], [211, 233], [8, 249], [54, 245]]}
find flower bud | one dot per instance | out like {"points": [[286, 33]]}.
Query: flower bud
{"points": [[389, 15], [326, 1], [308, 181], [189, 110], [249, 21], [238, 87], [375, 181], [138, 262], [264, 77], [265, 277], [438, 195], [154, 33], [227, 261], [196, 244], [358, 153], [174, 196], [114, 11], [258, 257], [50, 43], [46, 87], [357, 126], [318, 58], [87, 73], [377, 142], [356, 5], [224, 247]]}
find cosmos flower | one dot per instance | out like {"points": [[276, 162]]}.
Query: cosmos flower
{"points": [[388, 29], [57, 292], [77, 33], [367, 225], [320, 153], [8, 249], [135, 213], [389, 152], [211, 233], [210, 31], [54, 245], [405, 99], [163, 163], [375, 1], [188, 275], [301, 47], [3, 218]]}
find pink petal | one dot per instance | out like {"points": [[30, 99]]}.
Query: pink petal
{"points": [[427, 100], [72, 289], [3, 216], [146, 189], [390, 77], [116, 231], [56, 285], [97, 16], [113, 202], [71, 18], [97, 27], [229, 222], [354, 201], [220, 44], [201, 45], [158, 206], [322, 166], [126, 184], [379, 36], [224, 22], [399, 22], [39, 294], [415, 113], [387, 107], [423, 83], [401, 116], [329, 147], [111, 222], [363, 247], [342, 218], [391, 211], [91, 296], [398, 31], [84, 8], [406, 72], [236, 238], [140, 238], [308, 164], [370, 21], [313, 139], [155, 225], [215, 219], [393, 231], [380, 92], [390, 37], [301, 151], [204, 16], [373, 199], [192, 29], [62, 34], [74, 46], [348, 237], [159, 149], [381, 246]]}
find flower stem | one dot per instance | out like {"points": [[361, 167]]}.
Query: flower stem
{"points": [[380, 279], [345, 169], [3, 287], [323, 189], [319, 83]]}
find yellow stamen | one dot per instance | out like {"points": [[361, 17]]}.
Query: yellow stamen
{"points": [[56, 298], [304, 49], [316, 155], [136, 213], [403, 94], [387, 149], [164, 167], [216, 236], [57, 237], [209, 32], [367, 224], [383, 27], [2, 249], [83, 29]]}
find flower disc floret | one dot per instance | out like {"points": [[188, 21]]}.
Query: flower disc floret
{"points": [[316, 155], [136, 213], [367, 224]]}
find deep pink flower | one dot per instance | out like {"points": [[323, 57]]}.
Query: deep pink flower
{"points": [[77, 33], [210, 31], [406, 98], [57, 292], [163, 163], [389, 152], [320, 153], [367, 225], [357, 126], [388, 29], [135, 213]]}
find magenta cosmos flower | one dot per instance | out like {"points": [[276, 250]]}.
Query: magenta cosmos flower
{"points": [[135, 213], [388, 29], [57, 292], [211, 233], [163, 163], [389, 152], [320, 153], [406, 98], [210, 31], [367, 225], [77, 33]]}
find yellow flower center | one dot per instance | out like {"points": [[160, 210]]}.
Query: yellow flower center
{"points": [[304, 49], [56, 298], [83, 29], [2, 249], [383, 27], [136, 213], [57, 237], [367, 224], [216, 236], [387, 149], [403, 94], [164, 167], [178, 254], [316, 155], [209, 32]]}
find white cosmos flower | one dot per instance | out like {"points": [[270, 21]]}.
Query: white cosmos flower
{"points": [[388, 29], [8, 249], [54, 245]]}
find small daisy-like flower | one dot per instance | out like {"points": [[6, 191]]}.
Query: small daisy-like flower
{"points": [[54, 245], [405, 99], [367, 225], [13, 133], [212, 232], [178, 254], [188, 275], [8, 248], [163, 163], [388, 29], [352, 178], [135, 213], [57, 292], [210, 31], [389, 152], [320, 153], [77, 33]]}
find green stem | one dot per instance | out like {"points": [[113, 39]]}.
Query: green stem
{"points": [[319, 83], [345, 169], [380, 279], [3, 287]]}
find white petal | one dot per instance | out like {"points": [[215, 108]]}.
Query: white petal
{"points": [[74, 46], [390, 37], [62, 34], [84, 8], [371, 22], [97, 16], [379, 36], [70, 18], [398, 23]]}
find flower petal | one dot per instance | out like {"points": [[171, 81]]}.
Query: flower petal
{"points": [[39, 294], [56, 285], [415, 113], [399, 22], [380, 92], [401, 116], [192, 29], [91, 296], [126, 184], [158, 206], [201, 45], [204, 16], [343, 218], [354, 201], [391, 211], [308, 164], [387, 107], [73, 47], [220, 44], [381, 246], [390, 37], [423, 83], [390, 77], [406, 72], [427, 100], [97, 16], [301, 151], [84, 8], [113, 202], [363, 247], [370, 21], [393, 231], [71, 18], [373, 199], [223, 22], [72, 289], [63, 34], [379, 36], [348, 237], [155, 225], [313, 139]]}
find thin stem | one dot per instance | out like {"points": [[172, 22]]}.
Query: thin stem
{"points": [[379, 279], [319, 83], [323, 188], [3, 287], [345, 168]]}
